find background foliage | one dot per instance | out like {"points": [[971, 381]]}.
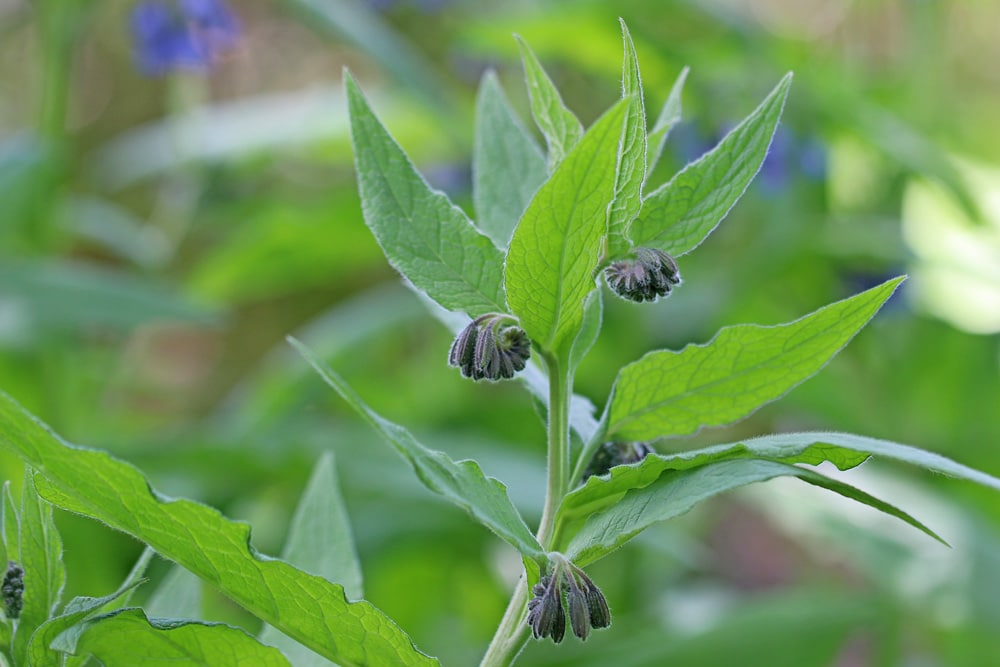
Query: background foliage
{"points": [[160, 235]]}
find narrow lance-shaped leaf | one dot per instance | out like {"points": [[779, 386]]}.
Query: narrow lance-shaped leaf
{"points": [[127, 638], [425, 237], [675, 493], [561, 128], [463, 483], [11, 523], [670, 115], [632, 162], [668, 393], [677, 216], [556, 246], [304, 606], [507, 165]]}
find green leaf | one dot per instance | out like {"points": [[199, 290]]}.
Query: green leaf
{"points": [[557, 245], [304, 606], [463, 483], [593, 313], [677, 216], [319, 541], [561, 128], [425, 237], [507, 165], [669, 393], [632, 159], [127, 638], [41, 558], [178, 595], [675, 493], [670, 115]]}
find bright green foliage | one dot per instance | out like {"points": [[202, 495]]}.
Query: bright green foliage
{"points": [[561, 128], [670, 115], [677, 393], [178, 595], [426, 237], [678, 216], [507, 165], [556, 246], [127, 638], [674, 494], [463, 483], [301, 605]]}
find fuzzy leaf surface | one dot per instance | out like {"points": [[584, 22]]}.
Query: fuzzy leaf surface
{"points": [[304, 606], [668, 393], [679, 215], [557, 245], [675, 493], [463, 482], [425, 237], [558, 124], [670, 115], [507, 164]]}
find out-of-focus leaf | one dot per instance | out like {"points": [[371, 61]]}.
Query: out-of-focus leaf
{"points": [[558, 124], [177, 596], [670, 115], [593, 313]]}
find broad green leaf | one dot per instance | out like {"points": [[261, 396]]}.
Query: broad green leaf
{"points": [[668, 393], [304, 606], [593, 314], [507, 165], [463, 483], [128, 638], [557, 245], [561, 128], [319, 541], [675, 493], [670, 115], [632, 161], [425, 237], [677, 216], [41, 558], [178, 595]]}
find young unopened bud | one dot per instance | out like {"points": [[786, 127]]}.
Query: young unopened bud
{"points": [[579, 609], [487, 350], [12, 590], [613, 454], [584, 602], [651, 274], [545, 611]]}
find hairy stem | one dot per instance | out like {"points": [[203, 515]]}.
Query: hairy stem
{"points": [[512, 633], [560, 391]]}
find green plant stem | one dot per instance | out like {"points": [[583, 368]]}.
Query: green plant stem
{"points": [[512, 633], [560, 391]]}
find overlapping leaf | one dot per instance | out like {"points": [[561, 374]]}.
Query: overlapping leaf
{"points": [[561, 128], [670, 115]]}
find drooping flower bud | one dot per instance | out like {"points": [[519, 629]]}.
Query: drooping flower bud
{"points": [[487, 350], [651, 274], [613, 454], [12, 590], [545, 611], [586, 605], [579, 609]]}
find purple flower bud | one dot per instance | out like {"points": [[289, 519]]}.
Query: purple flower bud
{"points": [[188, 35], [485, 350], [651, 274], [613, 454], [12, 590]]}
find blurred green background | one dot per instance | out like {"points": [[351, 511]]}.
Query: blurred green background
{"points": [[161, 234]]}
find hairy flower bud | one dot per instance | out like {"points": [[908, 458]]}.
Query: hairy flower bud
{"points": [[651, 274], [585, 603], [545, 611], [579, 609], [613, 454], [12, 590], [487, 350]]}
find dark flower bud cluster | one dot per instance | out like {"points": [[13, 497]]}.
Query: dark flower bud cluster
{"points": [[613, 454], [12, 590], [489, 350], [651, 274], [567, 590]]}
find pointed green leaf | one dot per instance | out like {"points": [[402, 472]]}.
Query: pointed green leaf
{"points": [[319, 541], [632, 162], [127, 638], [677, 216], [425, 237], [463, 482], [41, 558], [561, 128], [669, 393], [675, 493], [178, 595], [670, 115], [507, 165], [304, 606], [557, 245], [11, 524]]}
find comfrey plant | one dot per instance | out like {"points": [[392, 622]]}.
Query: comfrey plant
{"points": [[522, 289]]}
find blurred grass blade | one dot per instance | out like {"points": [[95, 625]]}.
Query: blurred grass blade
{"points": [[507, 165], [128, 638], [743, 367], [560, 127], [557, 245], [675, 493], [679, 215], [463, 483], [319, 541], [632, 159], [670, 115], [425, 237], [304, 606]]}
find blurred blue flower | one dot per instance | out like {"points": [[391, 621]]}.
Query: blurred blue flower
{"points": [[190, 34]]}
